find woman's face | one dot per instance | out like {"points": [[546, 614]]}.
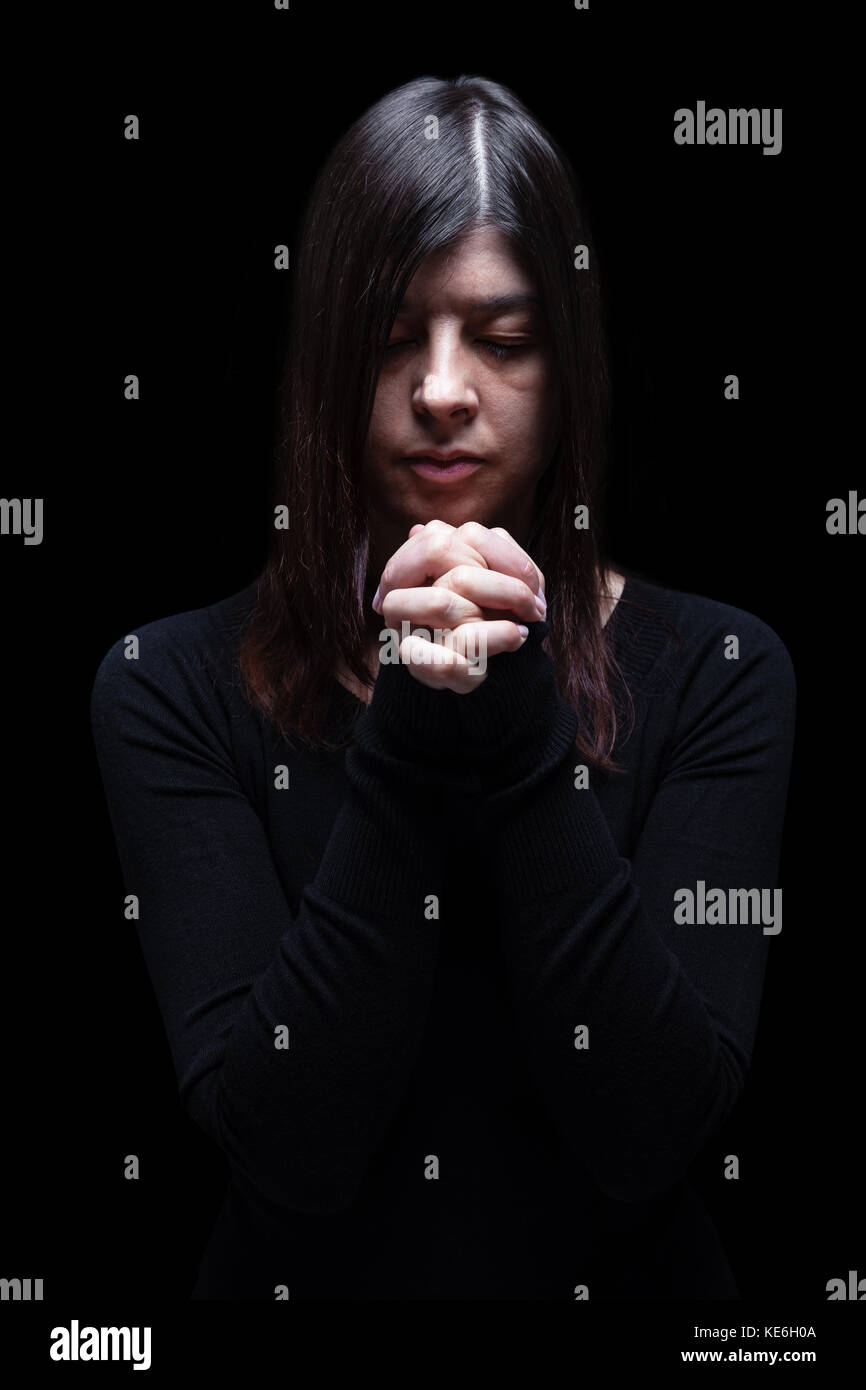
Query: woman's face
{"points": [[461, 376]]}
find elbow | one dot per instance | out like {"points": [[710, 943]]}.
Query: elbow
{"points": [[654, 1171], [286, 1174], [306, 1188], [307, 1198], [633, 1187]]}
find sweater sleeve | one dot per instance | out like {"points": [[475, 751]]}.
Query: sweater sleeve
{"points": [[349, 975], [590, 937]]}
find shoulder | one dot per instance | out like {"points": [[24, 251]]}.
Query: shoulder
{"points": [[189, 655], [724, 668], [718, 637], [690, 632]]}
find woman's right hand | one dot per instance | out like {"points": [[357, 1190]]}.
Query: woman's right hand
{"points": [[429, 583]]}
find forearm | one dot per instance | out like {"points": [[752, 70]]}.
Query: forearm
{"points": [[353, 976], [638, 1031], [621, 1045]]}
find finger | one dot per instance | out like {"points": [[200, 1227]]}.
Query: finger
{"points": [[479, 640], [435, 606], [423, 557], [436, 527], [502, 553], [438, 666], [461, 662], [490, 589]]}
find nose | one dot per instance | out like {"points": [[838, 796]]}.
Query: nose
{"points": [[446, 385]]}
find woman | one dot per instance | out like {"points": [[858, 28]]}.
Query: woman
{"points": [[410, 847]]}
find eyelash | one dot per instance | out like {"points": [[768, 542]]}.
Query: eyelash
{"points": [[499, 350]]}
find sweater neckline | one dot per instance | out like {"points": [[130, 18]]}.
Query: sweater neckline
{"points": [[642, 628]]}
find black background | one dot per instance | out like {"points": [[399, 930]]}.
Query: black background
{"points": [[156, 257]]}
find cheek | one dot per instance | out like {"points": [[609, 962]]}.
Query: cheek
{"points": [[525, 400], [378, 427], [531, 382], [385, 409], [544, 407]]}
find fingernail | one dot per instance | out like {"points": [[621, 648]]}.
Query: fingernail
{"points": [[524, 631], [541, 604], [376, 597]]}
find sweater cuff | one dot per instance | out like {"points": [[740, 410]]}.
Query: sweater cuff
{"points": [[506, 723], [411, 721]]}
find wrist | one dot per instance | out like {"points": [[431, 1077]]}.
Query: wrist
{"points": [[516, 724], [518, 690], [411, 720]]}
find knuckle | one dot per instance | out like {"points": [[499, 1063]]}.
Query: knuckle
{"points": [[439, 550], [391, 604], [443, 601]]}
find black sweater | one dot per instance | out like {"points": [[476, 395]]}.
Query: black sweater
{"points": [[430, 998]]}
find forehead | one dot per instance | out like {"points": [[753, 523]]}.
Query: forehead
{"points": [[481, 270]]}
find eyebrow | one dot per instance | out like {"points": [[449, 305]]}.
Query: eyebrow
{"points": [[497, 303]]}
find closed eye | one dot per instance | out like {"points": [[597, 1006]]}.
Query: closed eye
{"points": [[499, 350]]}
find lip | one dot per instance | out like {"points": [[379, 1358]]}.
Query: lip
{"points": [[445, 455], [459, 467]]}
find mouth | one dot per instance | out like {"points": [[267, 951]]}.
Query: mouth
{"points": [[444, 467]]}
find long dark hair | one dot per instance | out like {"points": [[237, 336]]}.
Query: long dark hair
{"points": [[387, 197]]}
